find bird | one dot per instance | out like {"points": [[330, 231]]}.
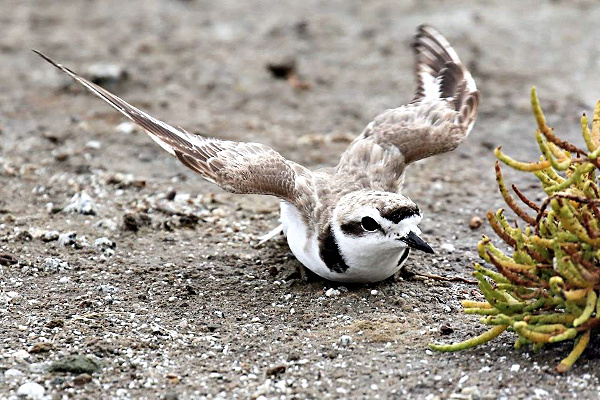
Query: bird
{"points": [[350, 222]]}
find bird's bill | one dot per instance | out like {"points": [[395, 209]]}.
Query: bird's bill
{"points": [[415, 242]]}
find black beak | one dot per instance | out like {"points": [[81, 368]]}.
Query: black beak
{"points": [[415, 242]]}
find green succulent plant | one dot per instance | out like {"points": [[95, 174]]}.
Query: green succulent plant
{"points": [[547, 291]]}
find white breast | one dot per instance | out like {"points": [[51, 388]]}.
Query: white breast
{"points": [[303, 243], [305, 246]]}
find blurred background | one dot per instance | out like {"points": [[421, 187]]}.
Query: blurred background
{"points": [[204, 64]]}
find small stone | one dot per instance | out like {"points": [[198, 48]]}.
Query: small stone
{"points": [[52, 264], [515, 368], [7, 259], [126, 127], [106, 224], [374, 292], [32, 390], [283, 68], [21, 354], [219, 212], [103, 73], [12, 373], [475, 222], [171, 195], [50, 236], [55, 323], [104, 243], [52, 208], [345, 340], [82, 379], [332, 292], [60, 155], [12, 295], [448, 247], [24, 236], [41, 347], [109, 289], [67, 239], [189, 221], [173, 378], [276, 370], [92, 145], [75, 364], [133, 221], [64, 279], [446, 330], [81, 203]]}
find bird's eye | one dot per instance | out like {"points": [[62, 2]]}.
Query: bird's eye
{"points": [[369, 224]]}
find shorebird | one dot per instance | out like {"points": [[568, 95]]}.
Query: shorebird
{"points": [[349, 223]]}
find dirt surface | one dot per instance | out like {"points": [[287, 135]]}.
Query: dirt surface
{"points": [[156, 278]]}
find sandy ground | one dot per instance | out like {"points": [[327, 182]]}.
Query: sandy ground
{"points": [[174, 300]]}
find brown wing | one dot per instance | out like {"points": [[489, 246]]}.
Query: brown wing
{"points": [[235, 166], [438, 119]]}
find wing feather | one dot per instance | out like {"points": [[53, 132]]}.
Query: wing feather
{"points": [[235, 166], [438, 119]]}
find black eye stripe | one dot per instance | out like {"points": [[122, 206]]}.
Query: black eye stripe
{"points": [[353, 228]]}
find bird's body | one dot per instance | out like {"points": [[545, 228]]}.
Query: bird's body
{"points": [[348, 223]]}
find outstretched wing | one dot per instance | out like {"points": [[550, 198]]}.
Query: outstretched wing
{"points": [[235, 166], [438, 119]]}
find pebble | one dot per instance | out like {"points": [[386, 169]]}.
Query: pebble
{"points": [[81, 203], [345, 340], [50, 236], [102, 73], [448, 247], [374, 292], [31, 390], [92, 145], [515, 368], [104, 243], [126, 127], [12, 373], [108, 289], [52, 264], [21, 354], [52, 208], [67, 239], [8, 259], [75, 364], [475, 222], [282, 68], [41, 347], [106, 224], [13, 295], [82, 379], [332, 292], [64, 279]]}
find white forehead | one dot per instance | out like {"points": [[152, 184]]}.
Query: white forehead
{"points": [[407, 225]]}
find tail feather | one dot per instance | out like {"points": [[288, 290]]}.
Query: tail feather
{"points": [[441, 75]]}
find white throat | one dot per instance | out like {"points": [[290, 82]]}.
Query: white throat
{"points": [[368, 259]]}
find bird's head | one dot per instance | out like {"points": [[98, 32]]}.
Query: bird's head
{"points": [[374, 228]]}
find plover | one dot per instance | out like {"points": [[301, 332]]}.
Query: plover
{"points": [[349, 223]]}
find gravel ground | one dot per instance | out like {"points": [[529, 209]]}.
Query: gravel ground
{"points": [[137, 279]]}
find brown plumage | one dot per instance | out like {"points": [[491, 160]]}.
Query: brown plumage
{"points": [[437, 120]]}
